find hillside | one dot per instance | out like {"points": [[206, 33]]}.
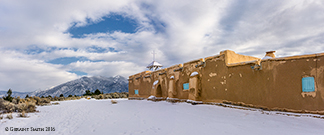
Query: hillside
{"points": [[79, 86], [14, 94]]}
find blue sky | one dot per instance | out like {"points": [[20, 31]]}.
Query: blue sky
{"points": [[108, 24], [46, 43]]}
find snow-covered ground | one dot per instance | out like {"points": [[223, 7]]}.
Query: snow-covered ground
{"points": [[132, 117]]}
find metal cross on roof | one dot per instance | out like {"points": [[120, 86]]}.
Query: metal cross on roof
{"points": [[153, 55], [154, 65]]}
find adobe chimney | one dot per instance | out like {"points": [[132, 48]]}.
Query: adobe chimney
{"points": [[270, 54]]}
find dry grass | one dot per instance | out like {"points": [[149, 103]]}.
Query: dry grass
{"points": [[55, 103], [114, 101], [22, 114], [9, 116]]}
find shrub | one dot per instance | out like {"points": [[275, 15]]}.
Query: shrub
{"points": [[115, 95], [22, 114], [61, 99], [55, 98], [61, 95], [1, 117], [31, 107], [44, 101], [8, 97], [8, 106], [107, 96], [14, 101], [55, 103], [21, 107], [9, 116], [88, 93], [123, 95], [97, 92], [100, 96], [22, 101], [114, 101], [38, 100]]}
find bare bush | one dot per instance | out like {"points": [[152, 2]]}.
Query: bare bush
{"points": [[31, 107], [22, 101], [21, 107], [14, 100], [114, 101], [43, 101], [61, 99], [115, 95], [55, 103], [9, 116], [22, 114], [8, 106], [107, 96]]}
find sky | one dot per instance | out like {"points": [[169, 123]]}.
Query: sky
{"points": [[46, 43]]}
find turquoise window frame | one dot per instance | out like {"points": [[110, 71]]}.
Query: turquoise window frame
{"points": [[308, 84], [136, 92], [186, 86]]}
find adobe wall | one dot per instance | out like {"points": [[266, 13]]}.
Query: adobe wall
{"points": [[188, 69], [229, 77], [174, 85], [232, 57], [276, 85], [141, 82], [159, 87]]}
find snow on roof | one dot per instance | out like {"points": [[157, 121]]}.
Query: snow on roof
{"points": [[156, 82], [154, 64], [266, 57], [194, 73]]}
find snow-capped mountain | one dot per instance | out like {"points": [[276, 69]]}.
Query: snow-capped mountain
{"points": [[79, 86], [14, 94]]}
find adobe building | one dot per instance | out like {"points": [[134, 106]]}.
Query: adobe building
{"points": [[294, 83]]}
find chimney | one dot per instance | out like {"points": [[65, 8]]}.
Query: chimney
{"points": [[270, 54]]}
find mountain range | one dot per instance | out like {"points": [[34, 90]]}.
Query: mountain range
{"points": [[79, 86]]}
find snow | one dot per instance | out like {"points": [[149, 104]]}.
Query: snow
{"points": [[154, 63], [151, 97], [192, 101], [142, 117], [266, 57], [172, 77], [194, 73], [156, 82]]}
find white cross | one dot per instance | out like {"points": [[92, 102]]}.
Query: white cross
{"points": [[153, 55]]}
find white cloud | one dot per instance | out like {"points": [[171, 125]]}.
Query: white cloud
{"points": [[178, 31], [22, 74], [106, 68]]}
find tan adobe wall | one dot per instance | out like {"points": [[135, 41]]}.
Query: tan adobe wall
{"points": [[228, 77], [159, 89], [231, 57], [278, 85], [174, 87], [141, 82]]}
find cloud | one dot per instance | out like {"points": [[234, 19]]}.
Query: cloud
{"points": [[106, 68], [179, 31], [22, 74]]}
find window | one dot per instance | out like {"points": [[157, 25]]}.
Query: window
{"points": [[186, 86], [308, 84], [136, 92]]}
